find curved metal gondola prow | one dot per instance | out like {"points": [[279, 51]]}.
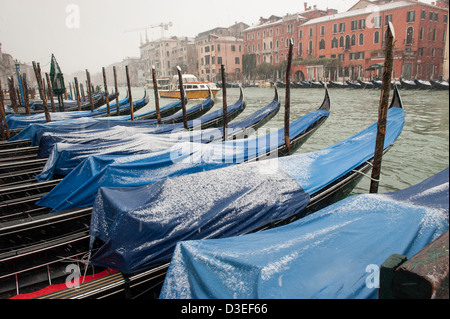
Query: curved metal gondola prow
{"points": [[146, 97], [242, 97], [396, 99], [326, 104], [211, 96], [276, 98]]}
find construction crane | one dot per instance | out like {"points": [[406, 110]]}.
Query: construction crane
{"points": [[163, 26]]}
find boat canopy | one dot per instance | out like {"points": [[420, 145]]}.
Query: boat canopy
{"points": [[217, 203], [335, 253]]}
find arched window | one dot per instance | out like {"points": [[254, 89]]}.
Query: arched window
{"points": [[322, 44], [334, 43], [376, 37], [361, 39], [341, 42], [409, 35], [353, 40], [347, 42]]}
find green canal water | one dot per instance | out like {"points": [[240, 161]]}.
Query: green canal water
{"points": [[421, 151]]}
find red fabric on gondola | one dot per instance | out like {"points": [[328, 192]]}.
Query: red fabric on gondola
{"points": [[53, 288]]}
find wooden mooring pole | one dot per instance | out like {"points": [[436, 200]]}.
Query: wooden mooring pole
{"points": [[287, 105], [382, 110], [89, 88], [155, 89], [129, 93], [117, 91], [108, 112], [12, 94], [182, 96], [224, 103], [77, 92], [25, 93], [3, 113], [50, 92], [37, 73]]}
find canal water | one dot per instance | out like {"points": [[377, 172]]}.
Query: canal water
{"points": [[421, 151]]}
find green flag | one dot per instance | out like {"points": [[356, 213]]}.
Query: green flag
{"points": [[56, 77]]}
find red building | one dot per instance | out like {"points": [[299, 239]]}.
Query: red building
{"points": [[350, 45]]}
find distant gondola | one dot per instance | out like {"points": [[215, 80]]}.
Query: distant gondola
{"points": [[306, 84], [337, 85], [354, 85], [366, 85], [408, 85], [317, 85], [439, 85], [422, 85]]}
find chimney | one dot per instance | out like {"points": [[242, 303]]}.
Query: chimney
{"points": [[314, 7], [306, 4]]}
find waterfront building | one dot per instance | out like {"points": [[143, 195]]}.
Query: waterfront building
{"points": [[337, 46]]}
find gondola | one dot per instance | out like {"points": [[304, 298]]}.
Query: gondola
{"points": [[337, 85], [335, 244], [280, 84], [19, 122], [297, 85], [379, 84], [422, 85], [317, 85], [366, 85], [117, 283], [354, 85], [439, 85], [20, 177], [408, 85], [306, 84]]}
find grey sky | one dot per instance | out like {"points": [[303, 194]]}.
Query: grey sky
{"points": [[31, 30]]}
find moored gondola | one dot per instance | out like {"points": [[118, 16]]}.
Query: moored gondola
{"points": [[422, 85], [408, 85], [354, 85], [366, 85], [130, 283], [439, 85], [337, 85]]}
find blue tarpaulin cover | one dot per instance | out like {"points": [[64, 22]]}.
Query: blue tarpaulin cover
{"points": [[140, 226], [334, 253], [24, 120], [64, 157], [79, 187]]}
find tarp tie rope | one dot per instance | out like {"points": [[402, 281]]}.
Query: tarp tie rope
{"points": [[363, 174]]}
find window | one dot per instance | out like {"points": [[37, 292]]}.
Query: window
{"points": [[310, 32], [352, 56], [300, 49], [218, 48], [432, 51], [436, 16], [322, 30], [322, 44], [233, 48], [388, 18], [360, 55], [376, 37], [362, 24], [354, 25], [353, 42], [207, 49], [361, 39], [409, 35], [342, 27], [300, 34], [410, 16], [341, 42], [341, 57], [335, 28], [430, 16], [434, 34], [334, 43], [310, 47], [347, 42], [423, 14], [421, 33], [219, 60], [377, 21], [236, 60], [264, 34], [445, 18]]}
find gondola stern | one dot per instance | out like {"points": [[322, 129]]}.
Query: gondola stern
{"points": [[326, 104], [396, 99]]}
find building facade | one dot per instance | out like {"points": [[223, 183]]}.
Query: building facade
{"points": [[350, 45]]}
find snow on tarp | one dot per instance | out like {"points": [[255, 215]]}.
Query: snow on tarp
{"points": [[188, 207], [64, 157], [79, 187], [331, 254], [158, 215], [24, 120]]}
